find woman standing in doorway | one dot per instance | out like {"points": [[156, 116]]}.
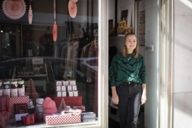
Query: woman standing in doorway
{"points": [[127, 80]]}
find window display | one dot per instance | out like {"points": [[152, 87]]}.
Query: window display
{"points": [[48, 62]]}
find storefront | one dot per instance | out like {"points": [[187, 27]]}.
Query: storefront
{"points": [[53, 63], [59, 49]]}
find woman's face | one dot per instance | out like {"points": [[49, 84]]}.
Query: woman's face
{"points": [[131, 43]]}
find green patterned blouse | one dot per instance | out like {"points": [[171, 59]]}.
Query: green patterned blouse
{"points": [[127, 69]]}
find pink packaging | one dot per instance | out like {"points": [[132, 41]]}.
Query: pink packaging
{"points": [[62, 119], [49, 106]]}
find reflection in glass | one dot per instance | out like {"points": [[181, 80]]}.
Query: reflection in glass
{"points": [[28, 53]]}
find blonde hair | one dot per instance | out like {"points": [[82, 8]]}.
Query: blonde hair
{"points": [[125, 50]]}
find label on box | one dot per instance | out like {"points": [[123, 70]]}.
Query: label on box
{"points": [[72, 82], [63, 88], [75, 93], [65, 83], [64, 94], [58, 88], [69, 88], [70, 93], [58, 83], [58, 94], [74, 87]]}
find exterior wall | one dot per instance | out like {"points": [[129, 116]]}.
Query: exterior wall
{"points": [[182, 64]]}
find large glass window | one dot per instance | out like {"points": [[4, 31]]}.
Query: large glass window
{"points": [[48, 62]]}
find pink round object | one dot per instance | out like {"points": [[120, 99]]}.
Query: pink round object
{"points": [[49, 106], [14, 9], [72, 8]]}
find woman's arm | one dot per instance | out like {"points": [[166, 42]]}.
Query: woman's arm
{"points": [[144, 94], [114, 98]]}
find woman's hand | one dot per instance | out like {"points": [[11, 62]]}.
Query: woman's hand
{"points": [[115, 97], [143, 98], [144, 95]]}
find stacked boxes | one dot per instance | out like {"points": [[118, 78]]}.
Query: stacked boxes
{"points": [[66, 88], [12, 88]]}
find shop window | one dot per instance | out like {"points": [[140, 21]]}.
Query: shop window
{"points": [[48, 62]]}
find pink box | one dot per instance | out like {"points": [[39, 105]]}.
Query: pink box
{"points": [[62, 119], [17, 100]]}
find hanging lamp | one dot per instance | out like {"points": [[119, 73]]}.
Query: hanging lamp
{"points": [[54, 27], [72, 8], [30, 13]]}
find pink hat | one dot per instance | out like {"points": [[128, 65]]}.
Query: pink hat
{"points": [[49, 106]]}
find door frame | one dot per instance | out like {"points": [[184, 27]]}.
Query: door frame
{"points": [[166, 63]]}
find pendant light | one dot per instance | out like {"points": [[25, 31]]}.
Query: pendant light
{"points": [[72, 8], [54, 27], [30, 13]]}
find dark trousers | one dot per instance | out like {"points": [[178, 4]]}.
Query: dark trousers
{"points": [[129, 104]]}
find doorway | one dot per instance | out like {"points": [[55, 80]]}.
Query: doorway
{"points": [[144, 18]]}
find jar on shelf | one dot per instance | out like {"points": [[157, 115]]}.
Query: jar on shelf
{"points": [[21, 88], [1, 88], [6, 88]]}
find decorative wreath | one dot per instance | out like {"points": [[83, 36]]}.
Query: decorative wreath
{"points": [[14, 9]]}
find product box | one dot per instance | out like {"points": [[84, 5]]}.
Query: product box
{"points": [[65, 83], [58, 83], [74, 87], [75, 93], [28, 119], [63, 88], [59, 94], [64, 94], [4, 104], [69, 88], [70, 93], [7, 92], [62, 119], [72, 82], [14, 92], [71, 101], [88, 116], [18, 117], [58, 88], [21, 91], [1, 92], [17, 100]]}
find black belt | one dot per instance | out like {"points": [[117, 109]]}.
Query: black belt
{"points": [[129, 83]]}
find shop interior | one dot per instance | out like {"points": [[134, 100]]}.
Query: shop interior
{"points": [[125, 16], [48, 52]]}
